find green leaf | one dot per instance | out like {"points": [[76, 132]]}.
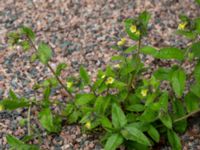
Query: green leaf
{"points": [[198, 1], [136, 108], [84, 99], [132, 133], [14, 104], [144, 17], [101, 104], [73, 117], [195, 49], [132, 145], [142, 126], [148, 50], [188, 34], [174, 140], [33, 58], [170, 53], [192, 102], [12, 95], [118, 117], [149, 115], [163, 74], [25, 45], [195, 88], [166, 119], [178, 82], [197, 25], [113, 142], [44, 53], [197, 72], [28, 32], [68, 109], [19, 145], [153, 132], [163, 101], [85, 117], [117, 58], [84, 75], [47, 93], [48, 121], [178, 112], [106, 123], [60, 67], [130, 49], [162, 104]]}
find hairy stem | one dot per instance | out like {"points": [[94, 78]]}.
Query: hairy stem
{"points": [[53, 72]]}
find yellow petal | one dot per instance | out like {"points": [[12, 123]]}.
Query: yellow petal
{"points": [[88, 125], [1, 107], [137, 33], [121, 42], [69, 84], [182, 25], [117, 66], [110, 80], [144, 92], [133, 28]]}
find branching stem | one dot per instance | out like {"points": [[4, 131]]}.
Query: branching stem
{"points": [[53, 72]]}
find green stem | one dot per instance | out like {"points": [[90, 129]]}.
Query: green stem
{"points": [[94, 92], [187, 116], [132, 74], [29, 119], [53, 72]]}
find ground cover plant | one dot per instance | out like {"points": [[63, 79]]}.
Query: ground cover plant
{"points": [[125, 106]]}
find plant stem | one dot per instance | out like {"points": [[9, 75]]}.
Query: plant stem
{"points": [[94, 92], [29, 120], [187, 116], [138, 47], [53, 72], [132, 75]]}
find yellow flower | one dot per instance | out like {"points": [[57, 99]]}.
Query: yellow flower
{"points": [[121, 42], [1, 107], [182, 25], [144, 92], [69, 84], [133, 28], [137, 33], [117, 66], [88, 125], [110, 80], [103, 76]]}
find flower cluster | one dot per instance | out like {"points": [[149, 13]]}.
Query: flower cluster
{"points": [[122, 42], [134, 29]]}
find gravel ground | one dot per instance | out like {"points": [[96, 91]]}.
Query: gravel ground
{"points": [[80, 32]]}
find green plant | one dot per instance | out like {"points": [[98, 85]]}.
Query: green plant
{"points": [[127, 107]]}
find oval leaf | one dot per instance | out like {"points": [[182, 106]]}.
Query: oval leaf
{"points": [[113, 142], [118, 117], [132, 133], [44, 53], [178, 82]]}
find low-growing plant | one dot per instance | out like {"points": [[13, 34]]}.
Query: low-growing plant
{"points": [[125, 106]]}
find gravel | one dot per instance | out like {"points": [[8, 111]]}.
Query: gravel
{"points": [[81, 32]]}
